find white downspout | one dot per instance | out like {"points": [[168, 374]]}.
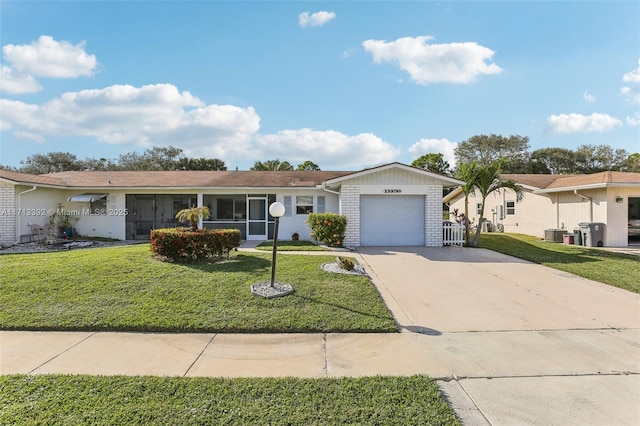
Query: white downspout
{"points": [[557, 210], [584, 197], [18, 212], [336, 193]]}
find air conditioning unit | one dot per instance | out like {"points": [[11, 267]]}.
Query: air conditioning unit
{"points": [[554, 235]]}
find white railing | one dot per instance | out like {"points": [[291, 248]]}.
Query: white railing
{"points": [[452, 234]]}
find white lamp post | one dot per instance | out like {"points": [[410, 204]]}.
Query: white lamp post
{"points": [[271, 289], [277, 211]]}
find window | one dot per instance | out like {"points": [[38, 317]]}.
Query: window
{"points": [[304, 204], [287, 205], [226, 207], [478, 208], [511, 207], [98, 206]]}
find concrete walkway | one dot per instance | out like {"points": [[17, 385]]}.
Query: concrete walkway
{"points": [[509, 342]]}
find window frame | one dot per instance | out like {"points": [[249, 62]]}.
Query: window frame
{"points": [[304, 208], [510, 208]]}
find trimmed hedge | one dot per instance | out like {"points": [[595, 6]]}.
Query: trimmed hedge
{"points": [[328, 228], [185, 245]]}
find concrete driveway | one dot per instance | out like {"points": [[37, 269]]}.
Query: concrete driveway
{"points": [[519, 342]]}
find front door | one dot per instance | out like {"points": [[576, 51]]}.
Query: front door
{"points": [[257, 219]]}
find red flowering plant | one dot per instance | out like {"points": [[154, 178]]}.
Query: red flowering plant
{"points": [[327, 228]]}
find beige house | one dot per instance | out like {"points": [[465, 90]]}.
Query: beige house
{"points": [[394, 204], [561, 202]]}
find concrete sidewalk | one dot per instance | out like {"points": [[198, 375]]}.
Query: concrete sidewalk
{"points": [[509, 342]]}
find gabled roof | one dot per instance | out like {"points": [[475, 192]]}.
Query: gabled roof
{"points": [[446, 179], [175, 179]]}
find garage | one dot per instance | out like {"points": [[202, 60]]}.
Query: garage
{"points": [[397, 220]]}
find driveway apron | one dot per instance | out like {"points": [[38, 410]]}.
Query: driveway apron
{"points": [[539, 346]]}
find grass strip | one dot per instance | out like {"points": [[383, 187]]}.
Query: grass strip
{"points": [[126, 289], [63, 399], [616, 269]]}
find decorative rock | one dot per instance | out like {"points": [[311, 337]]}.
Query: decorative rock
{"points": [[265, 290], [333, 267]]}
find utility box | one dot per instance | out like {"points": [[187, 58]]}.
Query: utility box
{"points": [[554, 235], [592, 234]]}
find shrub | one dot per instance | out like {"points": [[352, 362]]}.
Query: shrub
{"points": [[327, 228], [346, 263], [186, 245]]}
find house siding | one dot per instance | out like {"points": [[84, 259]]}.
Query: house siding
{"points": [[560, 210]]}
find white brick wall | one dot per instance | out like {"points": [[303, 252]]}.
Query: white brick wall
{"points": [[7, 217], [350, 207], [433, 216]]}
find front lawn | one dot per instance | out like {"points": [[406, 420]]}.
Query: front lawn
{"points": [[616, 269], [126, 289], [58, 399], [290, 245]]}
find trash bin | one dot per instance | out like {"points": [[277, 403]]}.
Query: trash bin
{"points": [[567, 239], [592, 234], [577, 237]]}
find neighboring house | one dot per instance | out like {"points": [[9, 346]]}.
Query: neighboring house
{"points": [[394, 204], [561, 202]]}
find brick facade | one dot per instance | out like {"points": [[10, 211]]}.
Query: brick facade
{"points": [[350, 207], [8, 205]]}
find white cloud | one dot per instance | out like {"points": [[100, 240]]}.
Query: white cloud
{"points": [[13, 82], [160, 115], [47, 57], [435, 146], [633, 121], [632, 90], [329, 148], [434, 63], [316, 19], [138, 116], [588, 98], [578, 123]]}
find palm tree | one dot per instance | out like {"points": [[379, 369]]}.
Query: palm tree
{"points": [[467, 172], [272, 166], [193, 215], [486, 180]]}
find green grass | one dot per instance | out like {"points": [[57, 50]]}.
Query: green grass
{"points": [[616, 269], [289, 245], [58, 399], [126, 289]]}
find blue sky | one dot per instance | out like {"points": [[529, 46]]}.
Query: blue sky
{"points": [[347, 84]]}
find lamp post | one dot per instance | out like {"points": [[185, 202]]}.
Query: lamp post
{"points": [[277, 211], [270, 289]]}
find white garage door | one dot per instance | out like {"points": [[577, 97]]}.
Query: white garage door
{"points": [[391, 220]]}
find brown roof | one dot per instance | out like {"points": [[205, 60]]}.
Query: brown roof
{"points": [[537, 181], [595, 179], [177, 179], [570, 181], [30, 179]]}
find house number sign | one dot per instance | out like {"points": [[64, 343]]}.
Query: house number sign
{"points": [[393, 191]]}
